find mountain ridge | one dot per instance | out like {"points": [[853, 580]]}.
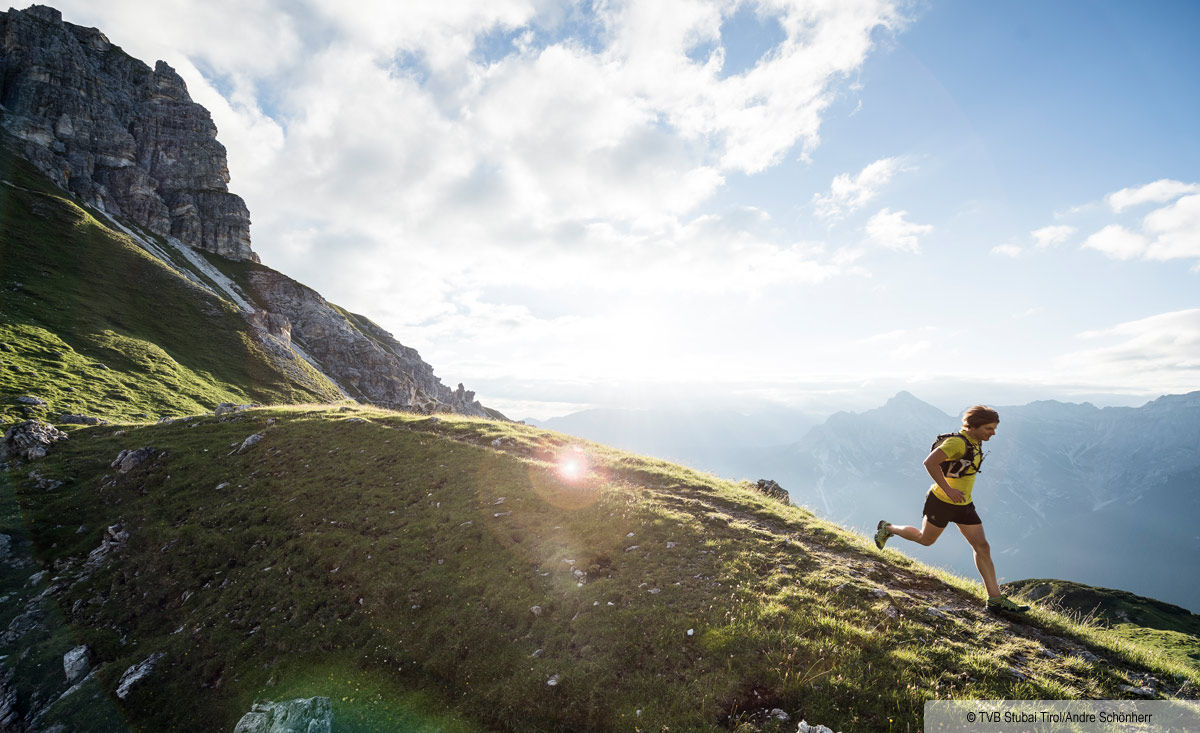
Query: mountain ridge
{"points": [[142, 159], [191, 559], [1061, 488], [370, 556], [1063, 492], [122, 137]]}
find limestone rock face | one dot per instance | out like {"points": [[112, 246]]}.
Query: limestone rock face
{"points": [[303, 715], [121, 136], [361, 357]]}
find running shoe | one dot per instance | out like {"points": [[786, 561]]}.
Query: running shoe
{"points": [[882, 533], [1004, 604]]}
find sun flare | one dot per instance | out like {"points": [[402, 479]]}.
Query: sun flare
{"points": [[573, 465]]}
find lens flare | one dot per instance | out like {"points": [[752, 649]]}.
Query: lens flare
{"points": [[572, 465]]}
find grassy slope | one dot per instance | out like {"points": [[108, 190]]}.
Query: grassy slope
{"points": [[95, 325], [1152, 622], [392, 565]]}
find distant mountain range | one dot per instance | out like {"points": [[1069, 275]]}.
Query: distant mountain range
{"points": [[1105, 496], [711, 439]]}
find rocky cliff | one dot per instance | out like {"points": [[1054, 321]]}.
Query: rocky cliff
{"points": [[123, 137], [362, 358], [128, 141]]}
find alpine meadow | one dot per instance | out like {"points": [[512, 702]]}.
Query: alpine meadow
{"points": [[230, 504]]}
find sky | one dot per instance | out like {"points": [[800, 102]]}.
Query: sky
{"points": [[609, 203]]}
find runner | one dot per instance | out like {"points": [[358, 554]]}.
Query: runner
{"points": [[953, 464]]}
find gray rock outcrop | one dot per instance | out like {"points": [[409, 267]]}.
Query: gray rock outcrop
{"points": [[76, 664], [773, 490], [121, 136], [304, 715], [251, 441], [114, 540], [10, 717], [137, 673], [127, 460], [30, 440], [364, 360]]}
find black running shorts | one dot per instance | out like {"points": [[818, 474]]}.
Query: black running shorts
{"points": [[941, 513]]}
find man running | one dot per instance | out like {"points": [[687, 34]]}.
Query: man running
{"points": [[953, 464]]}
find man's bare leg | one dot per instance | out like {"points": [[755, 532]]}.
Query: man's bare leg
{"points": [[983, 557], [926, 535]]}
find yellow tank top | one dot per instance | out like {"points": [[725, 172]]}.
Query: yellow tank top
{"points": [[954, 448]]}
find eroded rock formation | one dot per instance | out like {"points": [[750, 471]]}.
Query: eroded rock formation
{"points": [[361, 357], [121, 136]]}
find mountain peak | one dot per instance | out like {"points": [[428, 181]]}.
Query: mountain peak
{"points": [[907, 403], [904, 397], [122, 137]]}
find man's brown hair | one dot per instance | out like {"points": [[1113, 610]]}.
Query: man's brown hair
{"points": [[980, 415]]}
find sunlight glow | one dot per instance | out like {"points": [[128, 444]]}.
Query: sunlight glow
{"points": [[573, 465]]}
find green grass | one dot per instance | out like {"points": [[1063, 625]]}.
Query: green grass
{"points": [[365, 561], [1147, 623], [93, 324]]}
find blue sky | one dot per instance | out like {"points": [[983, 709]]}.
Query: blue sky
{"points": [[574, 204]]}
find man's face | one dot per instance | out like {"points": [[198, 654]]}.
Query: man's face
{"points": [[983, 432]]}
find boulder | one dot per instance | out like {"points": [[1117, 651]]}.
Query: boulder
{"points": [[302, 715], [30, 440], [137, 673], [30, 400], [773, 490], [76, 664], [251, 441], [31, 619], [127, 460]]}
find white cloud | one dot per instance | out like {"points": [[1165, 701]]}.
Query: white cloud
{"points": [[1175, 229], [1161, 353], [889, 229], [1051, 235], [1117, 242], [1167, 233], [404, 158], [385, 114], [1158, 192], [848, 194], [1007, 250]]}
